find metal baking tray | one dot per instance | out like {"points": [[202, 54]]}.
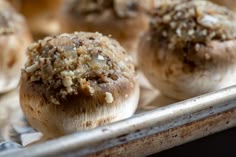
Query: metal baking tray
{"points": [[147, 132]]}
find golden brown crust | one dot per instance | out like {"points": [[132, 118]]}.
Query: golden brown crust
{"points": [[14, 39]]}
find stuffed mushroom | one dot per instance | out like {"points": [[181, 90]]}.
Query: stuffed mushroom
{"points": [[73, 82], [14, 39], [124, 20], [190, 48]]}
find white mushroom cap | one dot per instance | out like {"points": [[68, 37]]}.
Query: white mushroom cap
{"points": [[77, 81], [190, 49], [14, 39]]}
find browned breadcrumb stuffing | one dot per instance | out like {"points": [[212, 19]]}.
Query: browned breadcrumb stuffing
{"points": [[121, 8], [193, 21], [79, 62], [8, 19]]}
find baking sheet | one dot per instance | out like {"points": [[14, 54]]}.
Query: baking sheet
{"points": [[155, 127], [14, 127]]}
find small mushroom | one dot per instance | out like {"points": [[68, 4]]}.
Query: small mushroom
{"points": [[190, 48], [73, 82], [41, 15], [124, 20], [14, 39]]}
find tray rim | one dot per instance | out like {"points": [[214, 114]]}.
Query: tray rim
{"points": [[148, 123]]}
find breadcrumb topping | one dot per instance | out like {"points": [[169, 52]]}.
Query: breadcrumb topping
{"points": [[122, 8], [74, 63], [108, 97], [196, 21]]}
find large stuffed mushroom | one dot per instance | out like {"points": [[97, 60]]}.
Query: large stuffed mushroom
{"points": [[74, 82]]}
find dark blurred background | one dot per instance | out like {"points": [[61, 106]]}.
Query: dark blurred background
{"points": [[222, 144]]}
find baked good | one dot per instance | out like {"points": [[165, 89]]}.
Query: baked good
{"points": [[190, 48], [73, 82], [14, 39]]}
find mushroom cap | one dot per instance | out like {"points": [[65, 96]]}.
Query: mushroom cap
{"points": [[14, 39], [190, 49], [73, 82], [125, 20]]}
